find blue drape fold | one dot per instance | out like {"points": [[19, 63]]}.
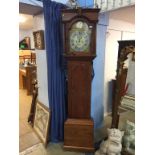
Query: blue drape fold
{"points": [[56, 74]]}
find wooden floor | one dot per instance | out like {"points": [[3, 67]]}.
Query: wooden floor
{"points": [[27, 137]]}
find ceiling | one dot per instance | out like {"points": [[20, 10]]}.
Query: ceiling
{"points": [[27, 11], [27, 21]]}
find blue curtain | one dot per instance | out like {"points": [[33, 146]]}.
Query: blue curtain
{"points": [[56, 74]]}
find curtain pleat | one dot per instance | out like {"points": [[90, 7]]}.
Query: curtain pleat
{"points": [[56, 73]]}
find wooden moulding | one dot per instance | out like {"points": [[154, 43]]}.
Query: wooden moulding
{"points": [[70, 17], [42, 122], [79, 149], [125, 47], [39, 39], [79, 135], [69, 14]]}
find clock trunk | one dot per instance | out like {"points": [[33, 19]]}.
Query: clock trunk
{"points": [[79, 86]]}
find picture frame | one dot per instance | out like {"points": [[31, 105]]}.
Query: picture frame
{"points": [[39, 39], [41, 122]]}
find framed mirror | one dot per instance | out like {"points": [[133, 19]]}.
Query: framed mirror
{"points": [[125, 80], [123, 112]]}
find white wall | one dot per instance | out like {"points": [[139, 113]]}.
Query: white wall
{"points": [[97, 91], [38, 24], [26, 33], [121, 27], [41, 64]]}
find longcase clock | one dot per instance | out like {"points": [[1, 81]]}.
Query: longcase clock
{"points": [[79, 50]]}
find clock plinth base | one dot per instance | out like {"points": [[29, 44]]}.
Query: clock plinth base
{"points": [[79, 135], [79, 149]]}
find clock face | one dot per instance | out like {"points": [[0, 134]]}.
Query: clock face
{"points": [[79, 24], [80, 37]]}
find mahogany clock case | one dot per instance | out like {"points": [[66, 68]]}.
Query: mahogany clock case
{"points": [[79, 127]]}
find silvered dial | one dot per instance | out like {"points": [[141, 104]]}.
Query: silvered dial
{"points": [[80, 37]]}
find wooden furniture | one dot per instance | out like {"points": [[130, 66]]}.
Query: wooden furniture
{"points": [[79, 51], [22, 79], [125, 48], [31, 57], [79, 134], [33, 104], [26, 76]]}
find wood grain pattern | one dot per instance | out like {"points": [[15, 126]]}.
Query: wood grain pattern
{"points": [[69, 14], [26, 76], [79, 85], [79, 134]]}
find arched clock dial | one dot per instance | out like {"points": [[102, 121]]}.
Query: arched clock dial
{"points": [[79, 24], [80, 37]]}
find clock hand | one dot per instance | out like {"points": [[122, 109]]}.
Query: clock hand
{"points": [[79, 40]]}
